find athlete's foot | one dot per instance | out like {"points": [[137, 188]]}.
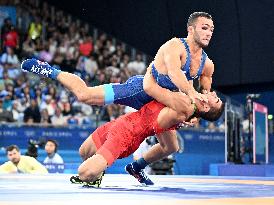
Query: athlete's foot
{"points": [[139, 175], [40, 68], [76, 180], [95, 183]]}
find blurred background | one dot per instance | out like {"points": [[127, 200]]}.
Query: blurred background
{"points": [[106, 41]]}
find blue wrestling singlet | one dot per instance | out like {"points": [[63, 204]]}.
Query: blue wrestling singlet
{"points": [[131, 93]]}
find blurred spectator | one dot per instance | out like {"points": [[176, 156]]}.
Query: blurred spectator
{"points": [[17, 114], [28, 48], [5, 29], [86, 46], [49, 104], [9, 59], [11, 39], [21, 164], [53, 157], [45, 118], [137, 66], [58, 119], [64, 105], [32, 113], [44, 54], [35, 28], [5, 80], [5, 115], [91, 66]]}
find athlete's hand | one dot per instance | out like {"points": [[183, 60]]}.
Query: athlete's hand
{"points": [[192, 122], [195, 95]]}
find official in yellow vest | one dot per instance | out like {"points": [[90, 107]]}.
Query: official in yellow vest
{"points": [[21, 164]]}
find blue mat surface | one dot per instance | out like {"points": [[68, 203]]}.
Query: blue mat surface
{"points": [[124, 189]]}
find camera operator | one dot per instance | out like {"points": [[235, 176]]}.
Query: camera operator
{"points": [[53, 162], [51, 149], [21, 164]]}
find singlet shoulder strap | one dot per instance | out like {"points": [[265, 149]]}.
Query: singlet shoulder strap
{"points": [[203, 60], [188, 58]]}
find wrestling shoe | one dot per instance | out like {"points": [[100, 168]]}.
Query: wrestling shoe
{"points": [[76, 180], [40, 68], [95, 183], [139, 175]]}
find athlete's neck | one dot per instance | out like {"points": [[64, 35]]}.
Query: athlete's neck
{"points": [[193, 46]]}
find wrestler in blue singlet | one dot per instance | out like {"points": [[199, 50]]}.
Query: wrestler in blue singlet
{"points": [[131, 93]]}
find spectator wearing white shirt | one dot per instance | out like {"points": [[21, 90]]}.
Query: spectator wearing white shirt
{"points": [[53, 157], [137, 66]]}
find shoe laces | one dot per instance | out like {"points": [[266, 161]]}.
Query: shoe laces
{"points": [[143, 175]]}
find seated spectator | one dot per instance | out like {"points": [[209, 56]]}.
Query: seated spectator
{"points": [[21, 164], [91, 66], [5, 115], [32, 112], [45, 118], [137, 66], [9, 59], [53, 157], [28, 48], [86, 46], [11, 39], [58, 119]]}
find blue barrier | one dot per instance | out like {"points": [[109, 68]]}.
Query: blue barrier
{"points": [[200, 149]]}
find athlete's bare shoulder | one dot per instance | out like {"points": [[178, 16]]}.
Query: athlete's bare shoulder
{"points": [[174, 45]]}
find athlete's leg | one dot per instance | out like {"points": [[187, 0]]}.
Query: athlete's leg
{"points": [[167, 145], [88, 148], [89, 95], [130, 93]]}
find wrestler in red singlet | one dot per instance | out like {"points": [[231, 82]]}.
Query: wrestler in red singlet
{"points": [[122, 138]]}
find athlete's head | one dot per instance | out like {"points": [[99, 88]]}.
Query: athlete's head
{"points": [[200, 28], [13, 154], [213, 109]]}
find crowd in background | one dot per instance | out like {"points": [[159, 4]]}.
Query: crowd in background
{"points": [[45, 33]]}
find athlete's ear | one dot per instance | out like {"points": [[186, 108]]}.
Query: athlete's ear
{"points": [[190, 29]]}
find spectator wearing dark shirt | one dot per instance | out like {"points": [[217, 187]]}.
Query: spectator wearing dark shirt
{"points": [[32, 112]]}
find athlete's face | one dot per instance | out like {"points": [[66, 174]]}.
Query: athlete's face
{"points": [[213, 100], [202, 31], [14, 156]]}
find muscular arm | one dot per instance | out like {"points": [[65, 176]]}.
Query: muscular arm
{"points": [[172, 59], [206, 77], [174, 100]]}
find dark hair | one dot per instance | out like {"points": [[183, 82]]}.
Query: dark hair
{"points": [[213, 114], [55, 144], [194, 16], [12, 147]]}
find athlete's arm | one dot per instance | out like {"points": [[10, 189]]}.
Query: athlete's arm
{"points": [[173, 100], [206, 77], [172, 59]]}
